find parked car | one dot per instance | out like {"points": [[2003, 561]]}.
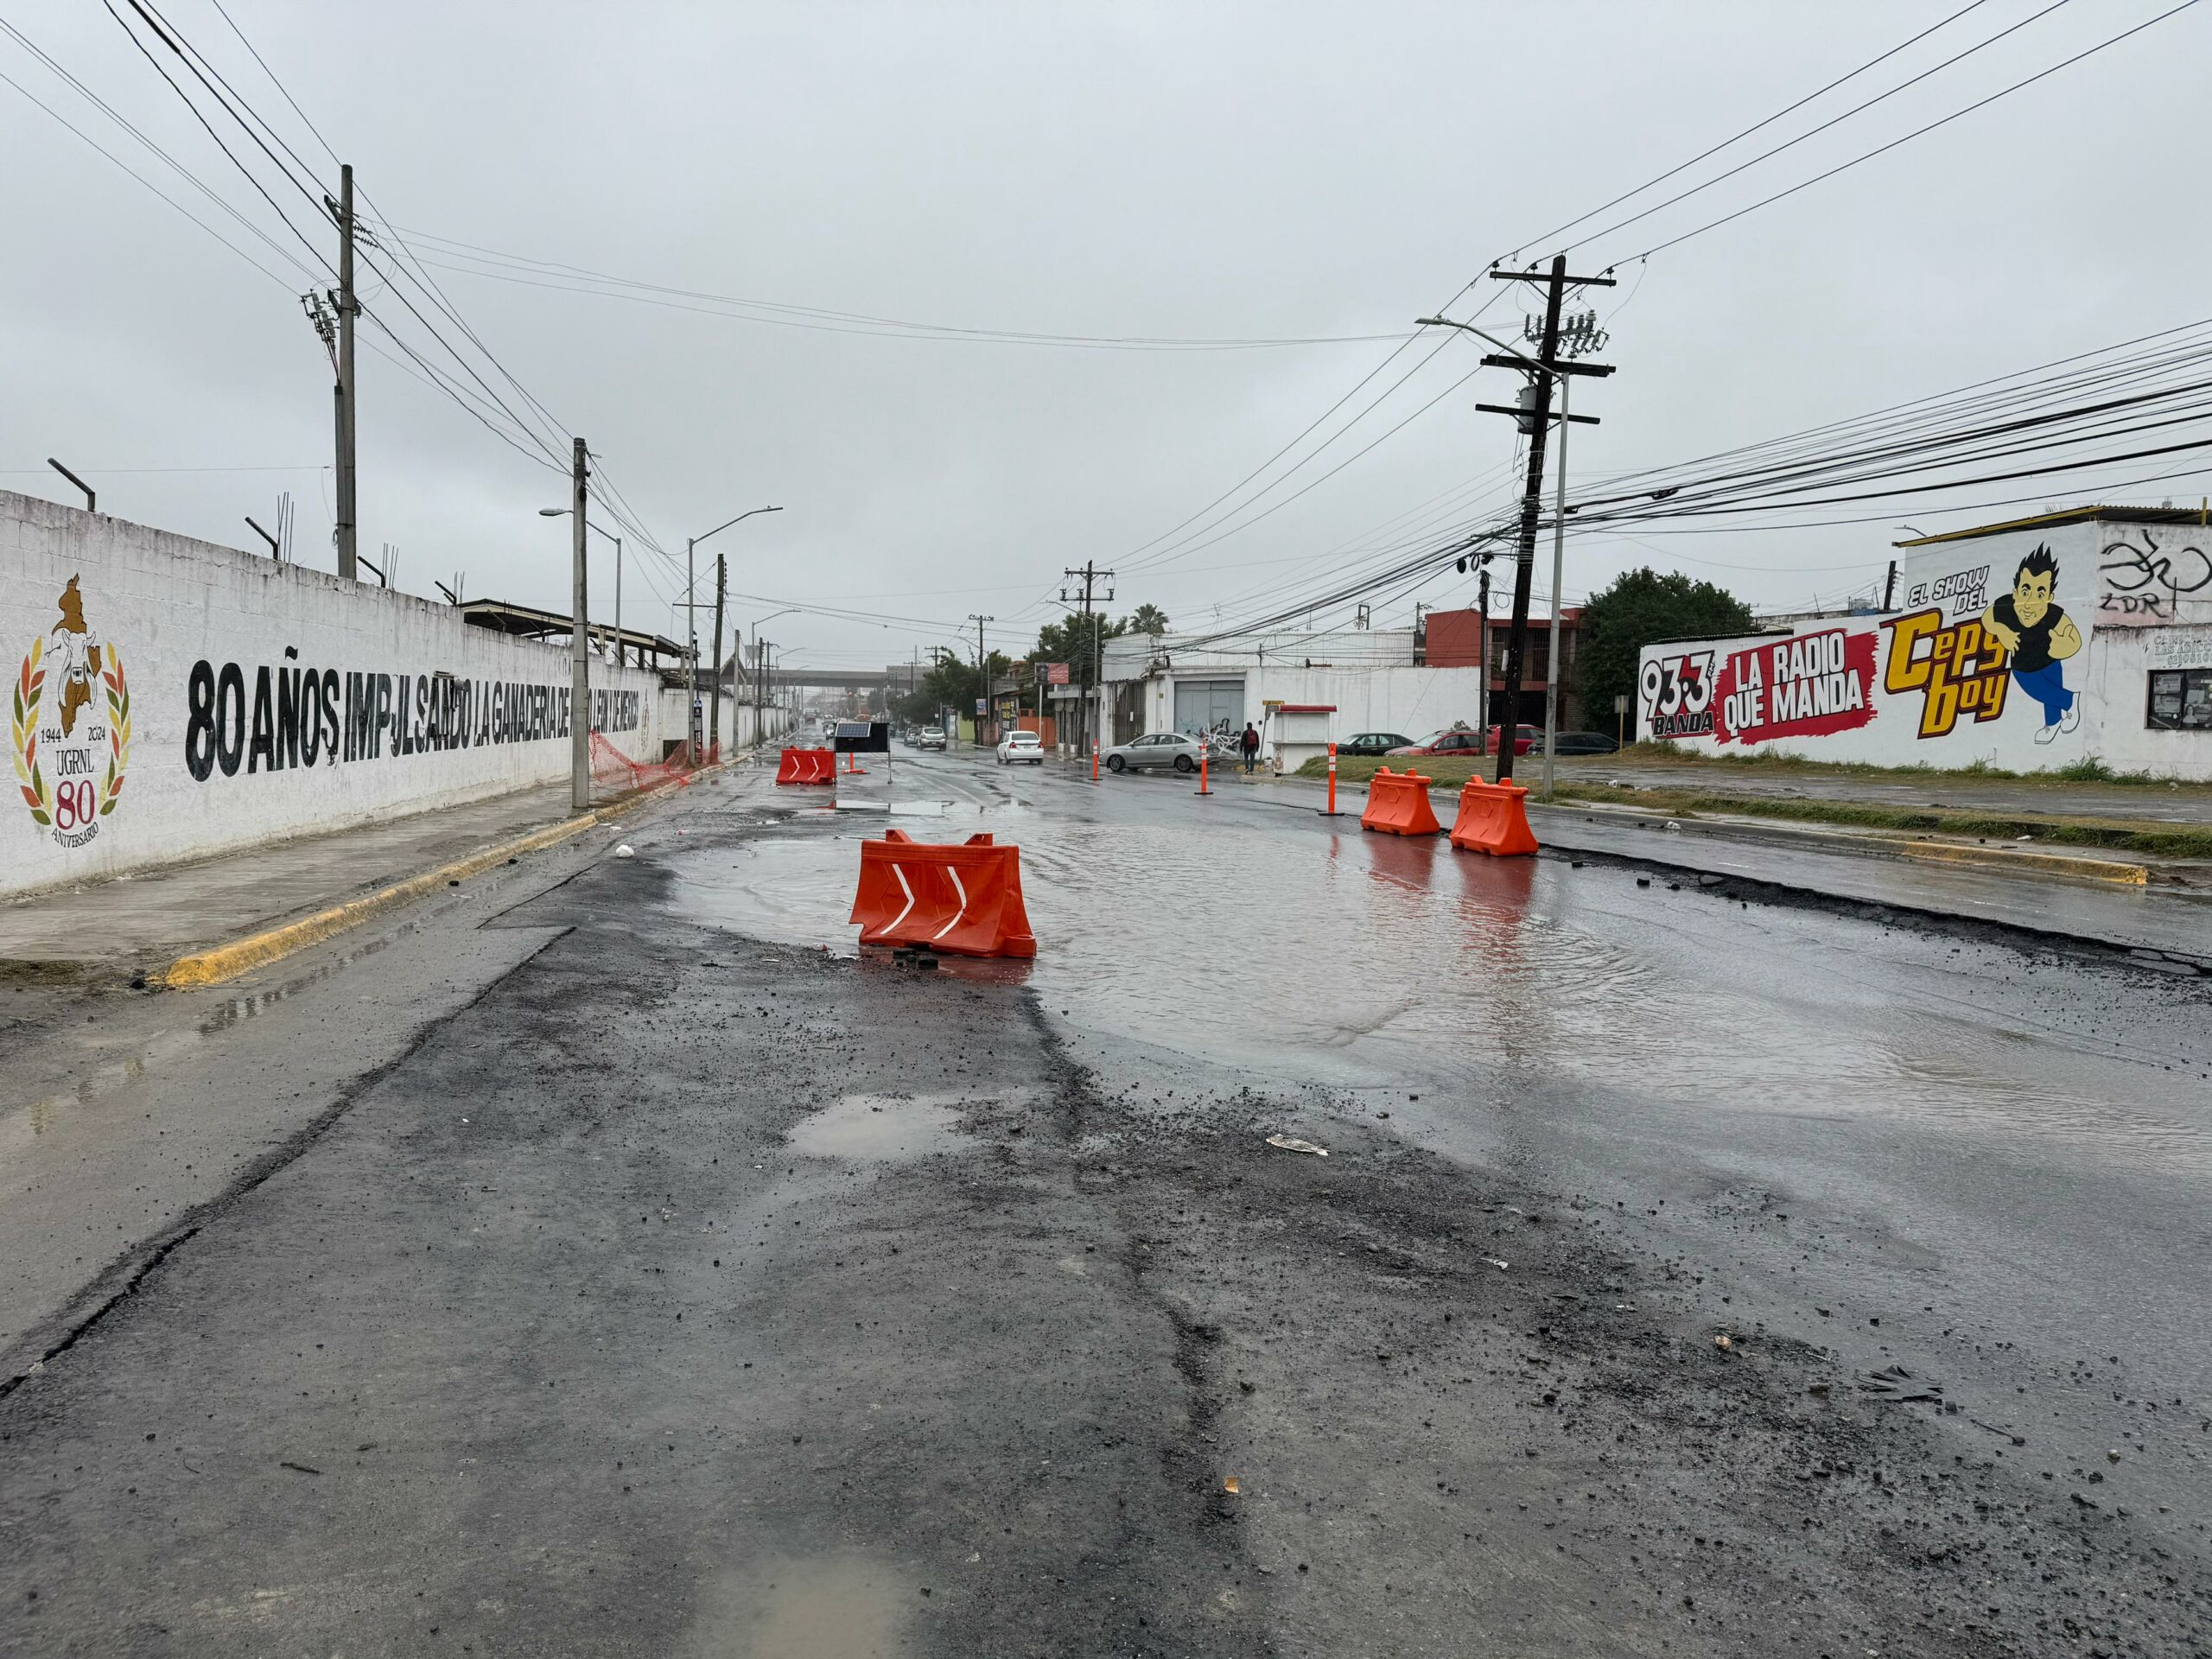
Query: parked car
{"points": [[1154, 751], [1452, 741], [1021, 746], [1583, 743], [1374, 743], [930, 737]]}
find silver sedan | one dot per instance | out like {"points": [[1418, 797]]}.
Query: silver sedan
{"points": [[1155, 750]]}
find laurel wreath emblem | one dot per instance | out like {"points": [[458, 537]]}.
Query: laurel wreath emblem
{"points": [[118, 731], [30, 684], [29, 691]]}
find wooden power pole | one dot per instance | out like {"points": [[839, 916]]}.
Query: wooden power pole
{"points": [[1546, 368]]}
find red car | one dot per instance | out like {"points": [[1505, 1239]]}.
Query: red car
{"points": [[1464, 740]]}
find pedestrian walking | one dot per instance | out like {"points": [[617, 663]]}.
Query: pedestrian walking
{"points": [[1251, 744]]}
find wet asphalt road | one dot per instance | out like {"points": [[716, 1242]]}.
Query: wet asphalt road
{"points": [[675, 1287]]}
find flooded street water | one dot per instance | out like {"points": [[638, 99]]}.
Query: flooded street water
{"points": [[1973, 1141], [692, 1283], [1259, 938]]}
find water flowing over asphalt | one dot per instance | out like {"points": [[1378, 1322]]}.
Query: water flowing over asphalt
{"points": [[1688, 1274]]}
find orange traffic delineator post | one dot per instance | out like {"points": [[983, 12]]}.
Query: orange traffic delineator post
{"points": [[1494, 818], [807, 766], [962, 898], [1397, 804], [853, 767], [1202, 753], [1331, 812], [1094, 759]]}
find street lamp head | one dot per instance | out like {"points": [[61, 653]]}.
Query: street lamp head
{"points": [[554, 512]]}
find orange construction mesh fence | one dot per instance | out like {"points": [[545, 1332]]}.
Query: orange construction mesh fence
{"points": [[613, 773]]}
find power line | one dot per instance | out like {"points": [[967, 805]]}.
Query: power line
{"points": [[1884, 149], [499, 266], [1811, 132], [1738, 137], [161, 154], [250, 177]]}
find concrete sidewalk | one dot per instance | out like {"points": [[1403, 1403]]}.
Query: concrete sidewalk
{"points": [[135, 923], [138, 924]]}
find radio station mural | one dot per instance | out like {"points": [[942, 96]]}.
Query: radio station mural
{"points": [[1987, 658]]}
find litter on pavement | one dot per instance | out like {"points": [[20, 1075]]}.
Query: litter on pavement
{"points": [[1291, 1143]]}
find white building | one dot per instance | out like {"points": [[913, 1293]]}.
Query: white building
{"points": [[2030, 645], [1302, 690]]}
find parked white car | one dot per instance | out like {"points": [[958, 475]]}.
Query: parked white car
{"points": [[1020, 745]]}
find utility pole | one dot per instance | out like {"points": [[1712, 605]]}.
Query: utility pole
{"points": [[349, 415], [1544, 370], [1090, 686], [579, 654], [618, 602], [691, 626], [983, 672], [721, 578], [1890, 587]]}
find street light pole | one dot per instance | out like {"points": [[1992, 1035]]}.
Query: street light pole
{"points": [[691, 611], [579, 648], [983, 673], [759, 701], [1546, 370]]}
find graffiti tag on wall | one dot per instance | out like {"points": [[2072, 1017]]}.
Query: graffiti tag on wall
{"points": [[2143, 581]]}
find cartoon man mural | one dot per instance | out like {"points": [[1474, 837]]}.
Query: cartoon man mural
{"points": [[75, 654], [2038, 636]]}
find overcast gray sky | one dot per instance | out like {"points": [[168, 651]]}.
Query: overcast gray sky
{"points": [[1191, 170]]}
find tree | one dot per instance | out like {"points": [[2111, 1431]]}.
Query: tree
{"points": [[952, 684], [1075, 641], [1641, 608], [1147, 619]]}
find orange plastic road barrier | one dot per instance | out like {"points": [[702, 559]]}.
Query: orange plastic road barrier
{"points": [[1397, 804], [1493, 818], [962, 898], [807, 766]]}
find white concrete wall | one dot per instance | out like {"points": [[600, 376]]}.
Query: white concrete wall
{"points": [[1414, 701], [1929, 685], [263, 701]]}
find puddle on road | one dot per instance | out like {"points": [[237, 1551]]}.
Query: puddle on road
{"points": [[880, 1128], [1350, 960], [841, 1606]]}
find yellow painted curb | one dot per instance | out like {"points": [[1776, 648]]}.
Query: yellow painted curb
{"points": [[257, 950], [2094, 870]]}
